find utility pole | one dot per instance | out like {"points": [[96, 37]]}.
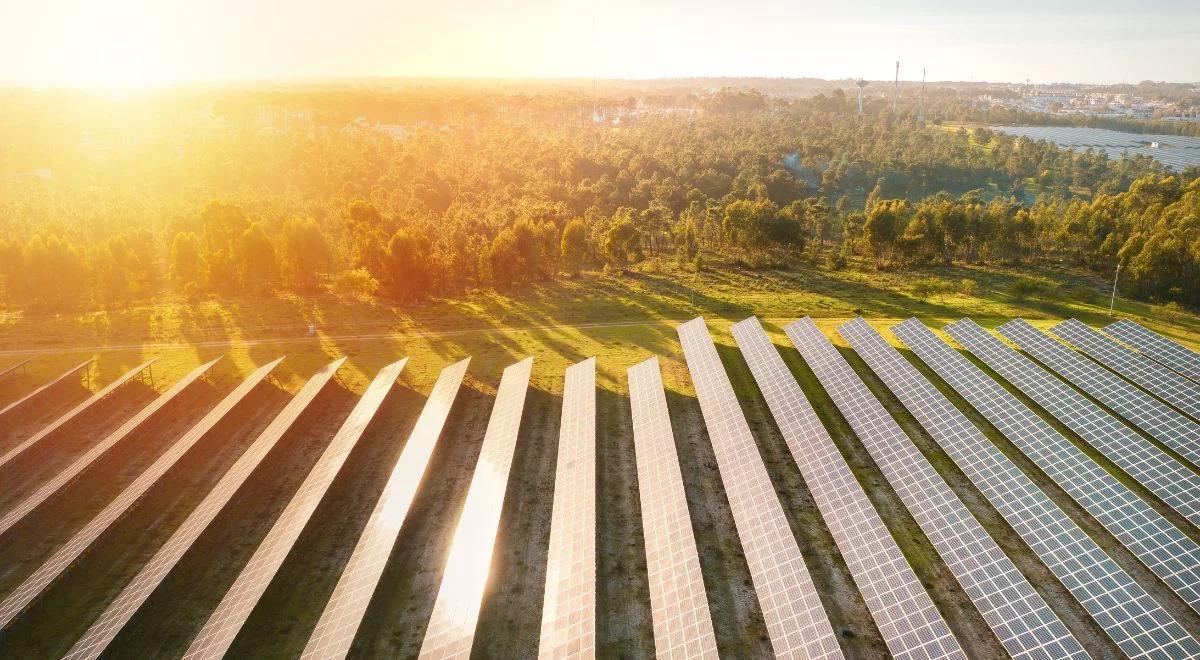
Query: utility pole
{"points": [[1113, 301], [896, 87]]}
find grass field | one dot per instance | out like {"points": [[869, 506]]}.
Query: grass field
{"points": [[622, 321]]}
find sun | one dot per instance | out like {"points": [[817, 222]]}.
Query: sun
{"points": [[115, 44]]}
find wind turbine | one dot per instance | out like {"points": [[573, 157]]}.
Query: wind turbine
{"points": [[896, 87], [861, 83], [921, 113]]}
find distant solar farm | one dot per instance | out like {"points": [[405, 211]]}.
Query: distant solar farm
{"points": [[1176, 152], [1084, 441]]}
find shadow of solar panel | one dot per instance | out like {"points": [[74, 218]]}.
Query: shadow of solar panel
{"points": [[231, 614], [569, 608], [1151, 376], [343, 614], [1107, 592], [32, 396], [1165, 351], [451, 630], [74, 412], [80, 464], [678, 602], [1160, 545], [1146, 412], [62, 559], [110, 622], [796, 620], [1164, 476]]}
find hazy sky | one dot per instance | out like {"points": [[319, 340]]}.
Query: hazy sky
{"points": [[51, 42]]}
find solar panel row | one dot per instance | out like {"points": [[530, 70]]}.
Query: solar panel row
{"points": [[32, 396], [66, 555], [1151, 376], [569, 608], [451, 630], [1148, 413], [1164, 476], [80, 464], [1166, 352], [343, 614], [796, 621], [908, 620], [110, 622], [16, 367], [1160, 545], [678, 603], [230, 615], [74, 412], [1113, 599]]}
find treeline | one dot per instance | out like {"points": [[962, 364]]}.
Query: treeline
{"points": [[127, 213]]}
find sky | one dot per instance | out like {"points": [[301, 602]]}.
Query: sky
{"points": [[143, 42]]}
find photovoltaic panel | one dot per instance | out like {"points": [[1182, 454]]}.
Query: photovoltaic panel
{"points": [[34, 394], [96, 451], [796, 621], [1166, 477], [13, 369], [74, 412], [569, 609], [343, 614], [1118, 604], [679, 604], [61, 560], [224, 623], [121, 610], [1165, 351], [451, 630], [1153, 539], [1148, 413], [910, 623], [1016, 613], [1151, 376]]}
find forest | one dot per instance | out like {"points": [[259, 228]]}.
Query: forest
{"points": [[406, 194]]}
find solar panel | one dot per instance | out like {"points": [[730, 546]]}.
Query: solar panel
{"points": [[224, 623], [90, 456], [343, 614], [1160, 545], [451, 629], [908, 620], [1167, 352], [1122, 608], [1160, 381], [1016, 613], [58, 563], [569, 609], [1166, 477], [74, 412], [105, 628], [1148, 413], [34, 394], [679, 605], [796, 621], [16, 367]]}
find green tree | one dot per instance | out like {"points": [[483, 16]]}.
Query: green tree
{"points": [[187, 261], [407, 264], [574, 246], [307, 256]]}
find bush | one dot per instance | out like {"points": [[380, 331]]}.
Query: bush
{"points": [[1024, 289], [967, 286], [355, 283], [835, 260]]}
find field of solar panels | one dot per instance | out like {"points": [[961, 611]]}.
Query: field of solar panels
{"points": [[691, 467], [1176, 152]]}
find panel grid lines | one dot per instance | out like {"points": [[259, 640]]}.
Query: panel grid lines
{"points": [[230, 615], [899, 603], [796, 620], [1148, 413], [1106, 591], [335, 630], [679, 604], [1164, 476], [1160, 545], [97, 450], [451, 629], [1156, 379], [1163, 350], [70, 551], [74, 412], [106, 628], [1021, 619], [569, 608]]}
